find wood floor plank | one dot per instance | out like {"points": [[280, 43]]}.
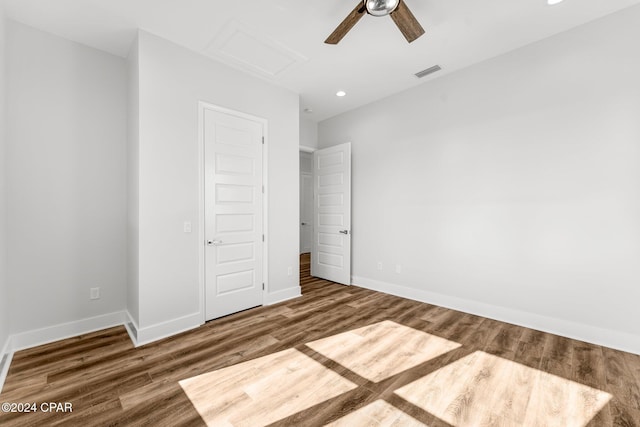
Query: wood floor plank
{"points": [[519, 377], [620, 378], [633, 363], [505, 343], [557, 356], [530, 348], [588, 364], [483, 334], [463, 328], [602, 418], [623, 416], [378, 413]]}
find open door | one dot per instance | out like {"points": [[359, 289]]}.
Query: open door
{"points": [[331, 253]]}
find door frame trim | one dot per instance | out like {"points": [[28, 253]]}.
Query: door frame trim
{"points": [[301, 174], [202, 106]]}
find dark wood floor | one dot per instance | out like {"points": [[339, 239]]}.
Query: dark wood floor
{"points": [[111, 383]]}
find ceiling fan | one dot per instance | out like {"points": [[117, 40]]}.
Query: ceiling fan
{"points": [[400, 13]]}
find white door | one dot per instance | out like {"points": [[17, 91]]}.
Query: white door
{"points": [[233, 213], [331, 254], [306, 212]]}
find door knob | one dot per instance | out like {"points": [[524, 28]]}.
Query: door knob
{"points": [[214, 242], [344, 231], [304, 223]]}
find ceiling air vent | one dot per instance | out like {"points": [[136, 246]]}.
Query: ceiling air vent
{"points": [[431, 70]]}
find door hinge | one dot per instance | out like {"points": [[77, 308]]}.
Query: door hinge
{"points": [[263, 237], [263, 140], [263, 189], [263, 286]]}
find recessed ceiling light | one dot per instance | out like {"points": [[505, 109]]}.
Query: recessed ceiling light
{"points": [[552, 2], [341, 93]]}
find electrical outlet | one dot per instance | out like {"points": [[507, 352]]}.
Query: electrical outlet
{"points": [[187, 227], [290, 271], [379, 266], [94, 293], [398, 269]]}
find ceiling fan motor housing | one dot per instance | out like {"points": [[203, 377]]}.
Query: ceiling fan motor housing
{"points": [[381, 7]]}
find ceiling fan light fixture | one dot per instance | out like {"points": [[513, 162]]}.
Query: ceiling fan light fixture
{"points": [[397, 10], [381, 7]]}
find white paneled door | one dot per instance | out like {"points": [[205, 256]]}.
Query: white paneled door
{"points": [[331, 254], [233, 148]]}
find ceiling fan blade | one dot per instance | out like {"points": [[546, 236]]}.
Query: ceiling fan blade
{"points": [[406, 22], [346, 25]]}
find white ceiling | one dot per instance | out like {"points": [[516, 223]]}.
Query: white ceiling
{"points": [[282, 40]]}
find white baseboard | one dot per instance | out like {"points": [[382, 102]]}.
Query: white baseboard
{"points": [[6, 347], [62, 331], [4, 368], [579, 331], [132, 328], [29, 339], [271, 298], [141, 336]]}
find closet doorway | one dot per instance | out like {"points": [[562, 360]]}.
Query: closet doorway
{"points": [[306, 202]]}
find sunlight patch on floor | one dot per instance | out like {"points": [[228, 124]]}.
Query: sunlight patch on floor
{"points": [[377, 414], [264, 390], [381, 350], [482, 389]]}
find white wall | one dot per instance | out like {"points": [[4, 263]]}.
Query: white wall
{"points": [[66, 170], [511, 188], [133, 171], [4, 291], [308, 132], [172, 82]]}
